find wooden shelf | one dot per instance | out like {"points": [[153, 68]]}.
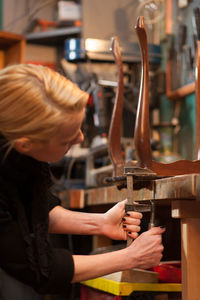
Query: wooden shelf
{"points": [[53, 37], [12, 49]]}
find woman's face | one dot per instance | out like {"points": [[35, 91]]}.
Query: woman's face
{"points": [[68, 134]]}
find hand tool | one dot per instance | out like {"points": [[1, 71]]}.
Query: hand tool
{"points": [[182, 32], [188, 57]]}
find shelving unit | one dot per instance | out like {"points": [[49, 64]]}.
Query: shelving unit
{"points": [[12, 49]]}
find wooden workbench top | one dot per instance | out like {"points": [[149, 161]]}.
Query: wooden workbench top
{"points": [[171, 188]]}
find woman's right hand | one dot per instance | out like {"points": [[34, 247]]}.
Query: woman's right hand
{"points": [[144, 253], [147, 249]]}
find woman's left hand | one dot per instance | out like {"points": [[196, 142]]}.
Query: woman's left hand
{"points": [[118, 223]]}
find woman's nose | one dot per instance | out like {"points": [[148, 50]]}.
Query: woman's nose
{"points": [[80, 138]]}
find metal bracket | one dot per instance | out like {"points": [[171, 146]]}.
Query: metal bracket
{"points": [[138, 207]]}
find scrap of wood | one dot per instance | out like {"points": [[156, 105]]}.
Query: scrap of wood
{"points": [[134, 275]]}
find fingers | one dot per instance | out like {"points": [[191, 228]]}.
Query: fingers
{"points": [[155, 261], [133, 217], [131, 223], [134, 214], [157, 230], [154, 234], [131, 228], [133, 234]]}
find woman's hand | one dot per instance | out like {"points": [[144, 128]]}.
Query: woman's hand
{"points": [[147, 249], [117, 224]]}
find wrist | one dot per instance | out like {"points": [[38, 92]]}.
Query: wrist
{"points": [[125, 259], [129, 258], [98, 222], [104, 225], [101, 224]]}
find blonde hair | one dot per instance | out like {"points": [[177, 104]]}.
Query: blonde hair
{"points": [[35, 100]]}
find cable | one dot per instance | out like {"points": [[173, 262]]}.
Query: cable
{"points": [[41, 6]]}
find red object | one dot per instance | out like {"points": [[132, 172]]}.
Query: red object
{"points": [[90, 101], [169, 272], [44, 24]]}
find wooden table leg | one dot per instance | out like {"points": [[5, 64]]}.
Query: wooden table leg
{"points": [[190, 257], [189, 213]]}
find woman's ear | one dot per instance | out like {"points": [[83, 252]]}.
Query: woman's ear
{"points": [[23, 145]]}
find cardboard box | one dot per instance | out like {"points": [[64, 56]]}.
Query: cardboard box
{"points": [[68, 11]]}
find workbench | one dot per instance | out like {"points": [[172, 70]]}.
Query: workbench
{"points": [[183, 194]]}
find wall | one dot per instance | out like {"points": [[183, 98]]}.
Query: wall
{"points": [[104, 18], [17, 14]]}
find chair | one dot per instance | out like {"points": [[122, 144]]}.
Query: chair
{"points": [[142, 131]]}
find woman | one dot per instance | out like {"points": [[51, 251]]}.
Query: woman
{"points": [[41, 114]]}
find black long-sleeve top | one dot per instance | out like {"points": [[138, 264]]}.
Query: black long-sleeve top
{"points": [[25, 201]]}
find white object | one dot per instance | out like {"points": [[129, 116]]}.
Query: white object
{"points": [[68, 11]]}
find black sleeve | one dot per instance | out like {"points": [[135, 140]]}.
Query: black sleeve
{"points": [[53, 201], [13, 258]]}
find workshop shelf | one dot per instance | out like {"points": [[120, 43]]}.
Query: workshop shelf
{"points": [[12, 48]]}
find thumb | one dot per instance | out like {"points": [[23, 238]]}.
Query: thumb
{"points": [[123, 203], [157, 230]]}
